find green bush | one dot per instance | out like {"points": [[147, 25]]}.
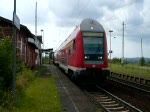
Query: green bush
{"points": [[23, 79], [45, 60], [6, 63], [116, 60], [142, 61], [23, 76]]}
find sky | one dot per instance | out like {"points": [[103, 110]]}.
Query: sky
{"points": [[58, 18]]}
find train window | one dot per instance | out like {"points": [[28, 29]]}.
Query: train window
{"points": [[69, 52], [74, 45], [93, 45]]}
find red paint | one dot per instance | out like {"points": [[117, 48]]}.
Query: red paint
{"points": [[76, 59]]}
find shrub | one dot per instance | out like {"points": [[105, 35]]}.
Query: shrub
{"points": [[6, 63], [142, 61], [23, 79], [116, 60]]}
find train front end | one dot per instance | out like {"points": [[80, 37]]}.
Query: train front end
{"points": [[95, 55]]}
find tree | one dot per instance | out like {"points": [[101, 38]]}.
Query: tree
{"points": [[142, 61], [116, 60], [6, 63]]}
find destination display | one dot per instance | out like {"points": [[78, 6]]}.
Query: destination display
{"points": [[90, 34]]}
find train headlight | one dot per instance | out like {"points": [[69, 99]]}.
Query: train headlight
{"points": [[86, 57], [100, 57]]}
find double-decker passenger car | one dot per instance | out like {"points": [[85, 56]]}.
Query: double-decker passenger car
{"points": [[84, 53]]}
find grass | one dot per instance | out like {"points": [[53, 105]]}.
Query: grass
{"points": [[130, 69], [40, 96]]}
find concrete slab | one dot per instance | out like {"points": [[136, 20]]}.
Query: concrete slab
{"points": [[72, 98]]}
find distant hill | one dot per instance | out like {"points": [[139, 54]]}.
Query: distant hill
{"points": [[136, 60]]}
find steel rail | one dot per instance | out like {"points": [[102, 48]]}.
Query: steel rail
{"points": [[129, 106], [110, 103], [129, 84]]}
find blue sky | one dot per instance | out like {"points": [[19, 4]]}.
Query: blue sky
{"points": [[58, 18]]}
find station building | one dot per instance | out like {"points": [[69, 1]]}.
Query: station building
{"points": [[28, 44]]}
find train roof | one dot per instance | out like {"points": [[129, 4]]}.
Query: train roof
{"points": [[91, 25], [87, 25]]}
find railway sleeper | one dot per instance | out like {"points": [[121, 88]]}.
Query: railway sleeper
{"points": [[110, 102], [110, 105], [120, 108], [104, 97], [114, 107], [123, 111], [105, 100]]}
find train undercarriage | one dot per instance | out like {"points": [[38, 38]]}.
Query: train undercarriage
{"points": [[97, 76]]}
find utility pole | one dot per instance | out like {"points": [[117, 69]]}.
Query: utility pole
{"points": [[16, 25], [141, 48], [36, 22], [42, 33], [122, 61], [14, 50], [110, 51]]}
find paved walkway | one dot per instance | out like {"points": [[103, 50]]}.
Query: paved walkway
{"points": [[72, 99]]}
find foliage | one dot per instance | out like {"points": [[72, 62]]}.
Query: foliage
{"points": [[51, 56], [24, 75], [45, 60], [6, 63], [6, 71], [142, 61], [147, 64], [116, 60], [40, 96], [131, 69], [23, 79], [19, 66]]}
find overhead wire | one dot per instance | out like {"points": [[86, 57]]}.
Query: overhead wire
{"points": [[74, 9], [80, 11], [85, 5], [76, 16]]}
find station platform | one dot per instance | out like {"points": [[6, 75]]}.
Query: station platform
{"points": [[72, 98]]}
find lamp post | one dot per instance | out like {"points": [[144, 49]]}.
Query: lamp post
{"points": [[110, 51], [42, 31]]}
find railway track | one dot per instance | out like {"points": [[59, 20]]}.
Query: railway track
{"points": [[108, 102], [130, 83], [143, 81]]}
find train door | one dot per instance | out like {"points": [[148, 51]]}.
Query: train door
{"points": [[66, 57]]}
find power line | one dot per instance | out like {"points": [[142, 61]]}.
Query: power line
{"points": [[74, 9], [123, 8], [138, 24], [81, 11], [128, 5]]}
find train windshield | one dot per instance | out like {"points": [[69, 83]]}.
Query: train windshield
{"points": [[93, 43]]}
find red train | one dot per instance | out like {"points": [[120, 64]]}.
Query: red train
{"points": [[83, 55]]}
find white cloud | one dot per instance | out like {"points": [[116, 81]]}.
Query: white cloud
{"points": [[58, 19]]}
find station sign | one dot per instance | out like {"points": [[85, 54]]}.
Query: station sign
{"points": [[16, 20]]}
